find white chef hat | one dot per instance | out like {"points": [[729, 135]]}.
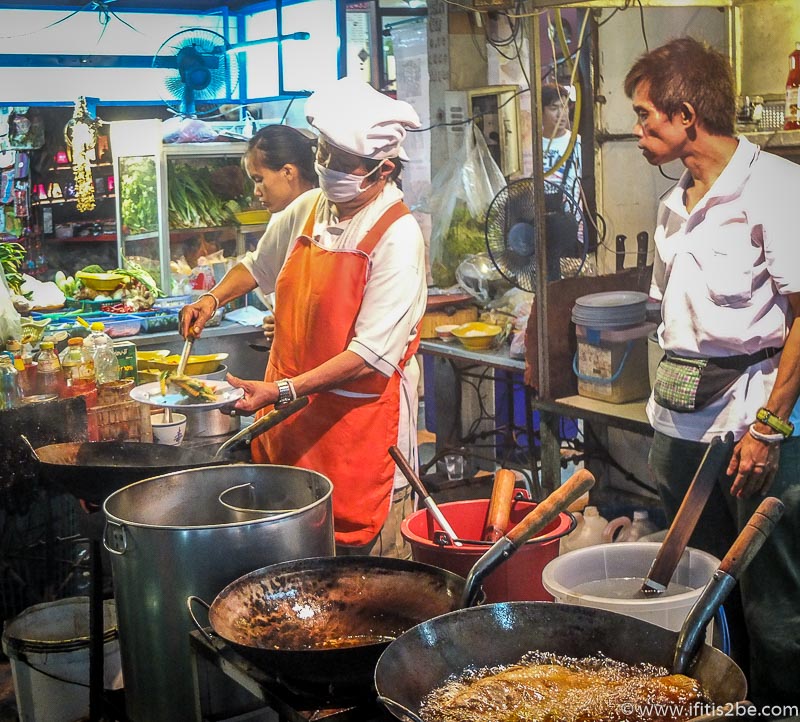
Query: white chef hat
{"points": [[356, 118]]}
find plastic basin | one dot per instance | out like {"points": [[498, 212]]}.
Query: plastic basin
{"points": [[626, 560], [518, 579]]}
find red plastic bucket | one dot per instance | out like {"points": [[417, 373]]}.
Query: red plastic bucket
{"points": [[518, 579]]}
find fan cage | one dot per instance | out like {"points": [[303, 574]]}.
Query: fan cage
{"points": [[511, 233], [200, 70]]}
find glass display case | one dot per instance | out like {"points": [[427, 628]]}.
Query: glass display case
{"points": [[179, 203]]}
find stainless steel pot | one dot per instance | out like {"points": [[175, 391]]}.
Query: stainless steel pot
{"points": [[170, 538], [200, 424]]}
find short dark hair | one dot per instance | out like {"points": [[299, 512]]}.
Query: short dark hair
{"points": [[686, 70], [552, 93], [276, 145]]}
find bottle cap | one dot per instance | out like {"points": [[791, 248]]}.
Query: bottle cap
{"points": [[75, 341], [97, 326], [46, 345]]}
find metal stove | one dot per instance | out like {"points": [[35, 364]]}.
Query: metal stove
{"points": [[269, 692]]}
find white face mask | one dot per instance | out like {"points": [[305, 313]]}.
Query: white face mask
{"points": [[341, 187]]}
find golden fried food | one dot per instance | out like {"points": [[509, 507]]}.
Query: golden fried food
{"points": [[556, 693], [187, 385]]}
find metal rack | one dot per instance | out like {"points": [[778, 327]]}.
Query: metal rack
{"points": [[267, 691]]}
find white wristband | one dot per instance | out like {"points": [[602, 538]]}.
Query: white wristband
{"points": [[216, 300], [766, 438]]}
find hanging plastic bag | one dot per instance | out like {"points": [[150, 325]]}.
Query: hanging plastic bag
{"points": [[461, 193], [10, 321]]}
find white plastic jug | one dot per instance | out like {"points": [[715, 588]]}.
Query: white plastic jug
{"points": [[588, 532], [617, 530], [641, 526]]}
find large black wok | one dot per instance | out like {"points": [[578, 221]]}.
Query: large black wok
{"points": [[319, 625], [94, 470], [425, 657]]}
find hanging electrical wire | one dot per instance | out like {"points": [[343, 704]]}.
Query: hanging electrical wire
{"points": [[104, 15]]}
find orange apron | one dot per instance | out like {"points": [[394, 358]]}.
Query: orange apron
{"points": [[344, 435]]}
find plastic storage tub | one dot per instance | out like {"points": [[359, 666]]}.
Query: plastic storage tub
{"points": [[518, 579], [611, 363], [48, 645], [628, 560]]}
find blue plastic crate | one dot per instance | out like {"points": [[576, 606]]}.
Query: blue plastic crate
{"points": [[158, 321]]}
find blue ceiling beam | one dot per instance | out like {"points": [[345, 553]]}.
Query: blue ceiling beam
{"points": [[14, 60]]}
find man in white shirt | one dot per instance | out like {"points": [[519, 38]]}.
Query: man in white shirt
{"points": [[727, 275]]}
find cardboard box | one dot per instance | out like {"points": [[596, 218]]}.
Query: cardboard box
{"points": [[126, 356]]}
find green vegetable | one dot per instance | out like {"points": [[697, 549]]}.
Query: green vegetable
{"points": [[465, 236], [11, 257], [138, 199], [93, 268], [135, 272]]}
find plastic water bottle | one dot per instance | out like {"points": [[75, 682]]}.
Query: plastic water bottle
{"points": [[79, 376], [10, 393], [49, 377], [100, 345]]}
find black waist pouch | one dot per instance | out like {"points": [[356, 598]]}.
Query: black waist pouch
{"points": [[688, 384]]}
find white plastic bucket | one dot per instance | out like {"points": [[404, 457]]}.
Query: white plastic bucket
{"points": [[48, 645], [624, 561]]}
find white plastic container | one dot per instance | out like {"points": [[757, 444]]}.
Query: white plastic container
{"points": [[48, 645], [611, 363], [654, 356], [641, 526], [622, 529], [565, 573], [588, 532]]}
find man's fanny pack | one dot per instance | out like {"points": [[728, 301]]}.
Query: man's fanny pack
{"points": [[688, 384]]}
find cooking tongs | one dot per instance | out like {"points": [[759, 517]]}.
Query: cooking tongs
{"points": [[187, 349]]}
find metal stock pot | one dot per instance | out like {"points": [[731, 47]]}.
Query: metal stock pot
{"points": [[170, 537]]}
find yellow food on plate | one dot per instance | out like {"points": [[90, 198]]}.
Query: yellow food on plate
{"points": [[196, 365], [188, 386]]}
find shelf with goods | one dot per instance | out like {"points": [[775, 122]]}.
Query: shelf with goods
{"points": [[75, 234], [178, 202]]}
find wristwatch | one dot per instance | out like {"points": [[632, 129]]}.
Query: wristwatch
{"points": [[285, 395], [776, 423]]}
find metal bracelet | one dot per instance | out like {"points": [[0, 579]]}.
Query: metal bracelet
{"points": [[216, 300]]}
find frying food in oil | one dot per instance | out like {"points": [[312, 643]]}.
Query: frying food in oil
{"points": [[545, 688]]}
